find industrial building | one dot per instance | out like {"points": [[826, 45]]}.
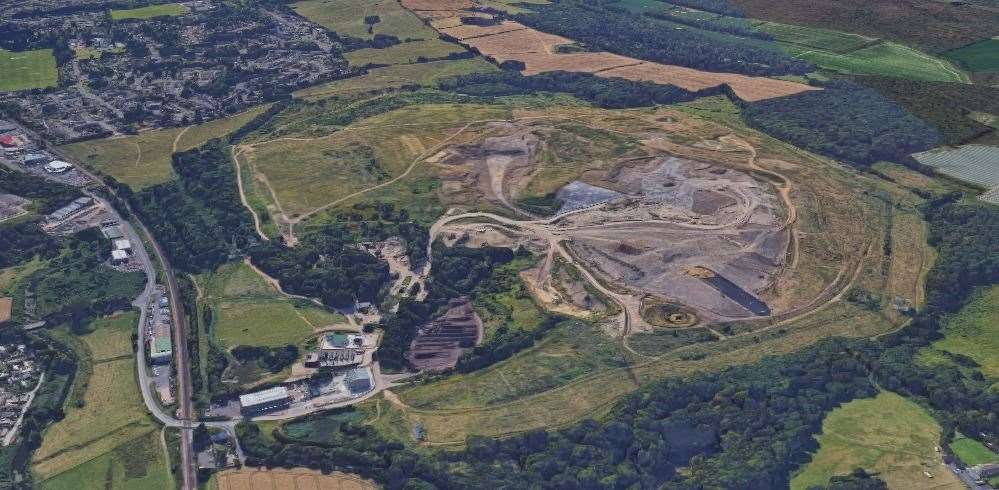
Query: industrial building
{"points": [[57, 167], [160, 349], [359, 380], [275, 398], [71, 208]]}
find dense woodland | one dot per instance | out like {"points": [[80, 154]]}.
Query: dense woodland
{"points": [[947, 106], [858, 125], [21, 242], [198, 219], [610, 93], [638, 36]]}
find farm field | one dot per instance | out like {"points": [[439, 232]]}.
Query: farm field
{"points": [[973, 332], [144, 159], [104, 409], [513, 41], [886, 59], [975, 164], [887, 435], [971, 451], [982, 56], [164, 9], [288, 479], [25, 70], [138, 464], [248, 311], [812, 37], [424, 74]]}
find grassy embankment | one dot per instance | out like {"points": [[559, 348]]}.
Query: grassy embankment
{"points": [[143, 160]]}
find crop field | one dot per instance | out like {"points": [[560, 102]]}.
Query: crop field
{"points": [[425, 74], [111, 411], [248, 311], [513, 41], [138, 464], [887, 435], [973, 332], [971, 451], [975, 164], [289, 479], [978, 57], [885, 59], [164, 9], [25, 70], [143, 160]]}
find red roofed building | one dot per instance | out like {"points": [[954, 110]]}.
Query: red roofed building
{"points": [[8, 141]]}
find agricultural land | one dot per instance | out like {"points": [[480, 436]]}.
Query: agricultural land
{"points": [[163, 9]]}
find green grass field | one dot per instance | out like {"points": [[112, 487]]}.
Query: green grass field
{"points": [[137, 464], [165, 9], [425, 74], [405, 53], [971, 451], [982, 56], [346, 17], [247, 311], [973, 332], [886, 59], [143, 160], [815, 38], [888, 435], [25, 70], [104, 409]]}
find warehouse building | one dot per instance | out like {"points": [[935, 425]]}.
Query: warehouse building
{"points": [[160, 349], [358, 381], [275, 398]]}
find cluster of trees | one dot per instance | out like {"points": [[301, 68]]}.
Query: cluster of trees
{"points": [[198, 218], [638, 36], [47, 195], [273, 359], [74, 287], [611, 93], [326, 265], [945, 105], [22, 242], [711, 25], [844, 121], [966, 238]]}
